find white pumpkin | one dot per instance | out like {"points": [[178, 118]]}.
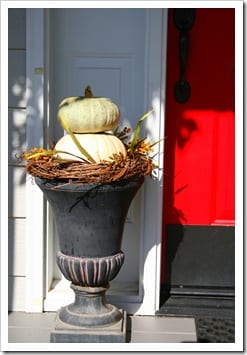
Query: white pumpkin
{"points": [[89, 114], [100, 146]]}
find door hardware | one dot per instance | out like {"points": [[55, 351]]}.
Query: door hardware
{"points": [[184, 20]]}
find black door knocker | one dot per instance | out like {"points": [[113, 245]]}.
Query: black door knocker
{"points": [[184, 20]]}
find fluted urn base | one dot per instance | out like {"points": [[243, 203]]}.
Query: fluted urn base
{"points": [[89, 319]]}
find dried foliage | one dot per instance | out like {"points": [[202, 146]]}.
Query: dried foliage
{"points": [[45, 164], [81, 172]]}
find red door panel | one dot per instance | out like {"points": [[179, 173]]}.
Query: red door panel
{"points": [[204, 168], [199, 145]]}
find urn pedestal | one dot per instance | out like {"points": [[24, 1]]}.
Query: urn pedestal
{"points": [[90, 222]]}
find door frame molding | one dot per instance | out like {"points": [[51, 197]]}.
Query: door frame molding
{"points": [[38, 69], [34, 136]]}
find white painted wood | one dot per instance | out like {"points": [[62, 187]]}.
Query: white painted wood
{"points": [[16, 128], [60, 294], [16, 294], [16, 193], [35, 230], [16, 133], [119, 294], [17, 28], [17, 249], [17, 78], [80, 65], [152, 211], [115, 54], [111, 75]]}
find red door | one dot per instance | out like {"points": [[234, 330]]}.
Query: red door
{"points": [[198, 238]]}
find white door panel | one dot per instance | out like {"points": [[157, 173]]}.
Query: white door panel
{"points": [[111, 76], [104, 48]]}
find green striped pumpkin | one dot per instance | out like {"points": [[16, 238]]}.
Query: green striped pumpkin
{"points": [[89, 114]]}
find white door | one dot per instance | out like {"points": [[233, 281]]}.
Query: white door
{"points": [[120, 53], [104, 48]]}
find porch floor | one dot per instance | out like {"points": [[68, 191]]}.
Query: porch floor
{"points": [[36, 327]]}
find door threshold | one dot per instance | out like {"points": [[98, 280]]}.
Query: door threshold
{"points": [[201, 291]]}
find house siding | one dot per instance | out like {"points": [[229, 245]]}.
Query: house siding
{"points": [[17, 143]]}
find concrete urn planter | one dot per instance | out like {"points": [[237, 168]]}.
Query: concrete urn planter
{"points": [[90, 222]]}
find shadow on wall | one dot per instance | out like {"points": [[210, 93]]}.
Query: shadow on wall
{"points": [[16, 186], [178, 137], [20, 117], [185, 128], [16, 130], [19, 92]]}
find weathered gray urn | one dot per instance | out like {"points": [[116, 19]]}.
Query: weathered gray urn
{"points": [[90, 222]]}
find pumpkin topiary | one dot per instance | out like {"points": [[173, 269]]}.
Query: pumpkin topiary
{"points": [[100, 146], [87, 153], [89, 114]]}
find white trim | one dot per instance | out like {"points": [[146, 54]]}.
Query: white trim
{"points": [[152, 210], [34, 131]]}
